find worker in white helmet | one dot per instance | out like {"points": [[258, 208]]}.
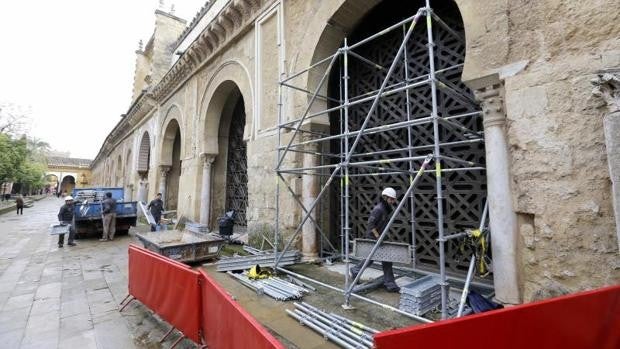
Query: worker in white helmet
{"points": [[379, 217], [65, 216]]}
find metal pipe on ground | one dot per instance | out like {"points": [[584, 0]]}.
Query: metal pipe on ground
{"points": [[318, 329], [327, 328], [321, 316]]}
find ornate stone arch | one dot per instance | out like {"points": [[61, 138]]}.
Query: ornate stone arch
{"points": [[144, 153], [229, 76], [172, 122]]}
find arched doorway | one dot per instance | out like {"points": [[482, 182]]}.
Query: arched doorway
{"points": [[171, 164], [143, 166], [67, 185], [127, 177], [463, 192], [119, 172], [230, 178]]}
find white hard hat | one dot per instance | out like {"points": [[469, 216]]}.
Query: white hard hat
{"points": [[68, 197], [389, 192]]}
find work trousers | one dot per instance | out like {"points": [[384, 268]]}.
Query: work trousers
{"points": [[109, 225], [61, 237], [20, 209], [157, 220], [388, 273]]}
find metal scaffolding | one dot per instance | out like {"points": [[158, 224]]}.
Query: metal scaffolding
{"points": [[349, 163]]}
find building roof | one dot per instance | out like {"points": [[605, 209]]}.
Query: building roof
{"points": [[67, 162]]}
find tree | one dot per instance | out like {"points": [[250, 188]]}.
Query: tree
{"points": [[14, 119]]}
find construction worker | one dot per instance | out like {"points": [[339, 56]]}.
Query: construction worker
{"points": [[65, 216], [156, 206], [377, 222], [109, 217]]}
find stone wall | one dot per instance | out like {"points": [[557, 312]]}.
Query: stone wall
{"points": [[561, 185]]}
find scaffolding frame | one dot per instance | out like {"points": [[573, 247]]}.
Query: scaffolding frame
{"points": [[343, 163]]}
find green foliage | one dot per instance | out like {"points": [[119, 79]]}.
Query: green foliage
{"points": [[22, 161]]}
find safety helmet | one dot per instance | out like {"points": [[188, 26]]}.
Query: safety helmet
{"points": [[389, 192], [68, 197]]}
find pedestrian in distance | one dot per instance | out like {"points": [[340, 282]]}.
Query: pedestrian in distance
{"points": [[379, 217], [19, 202], [65, 217], [156, 207], [109, 217]]}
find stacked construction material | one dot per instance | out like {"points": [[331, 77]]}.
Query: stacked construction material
{"points": [[340, 330], [196, 227], [421, 296], [264, 260], [273, 287]]}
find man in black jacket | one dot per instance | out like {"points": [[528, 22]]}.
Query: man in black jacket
{"points": [[65, 216], [379, 217], [109, 217], [156, 206]]}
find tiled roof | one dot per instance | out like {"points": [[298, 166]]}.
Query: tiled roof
{"points": [[67, 162]]}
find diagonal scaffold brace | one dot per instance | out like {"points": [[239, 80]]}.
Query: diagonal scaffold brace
{"points": [[385, 231]]}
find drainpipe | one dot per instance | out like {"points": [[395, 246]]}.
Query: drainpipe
{"points": [[489, 91], [607, 87]]}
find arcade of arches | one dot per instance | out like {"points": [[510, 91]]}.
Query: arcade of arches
{"points": [[202, 129]]}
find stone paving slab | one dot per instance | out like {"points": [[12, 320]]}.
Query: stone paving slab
{"points": [[68, 297]]}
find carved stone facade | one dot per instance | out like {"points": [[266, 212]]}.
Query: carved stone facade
{"points": [[557, 180]]}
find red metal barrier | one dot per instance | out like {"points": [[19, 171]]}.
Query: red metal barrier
{"points": [[168, 288], [226, 324], [585, 320]]}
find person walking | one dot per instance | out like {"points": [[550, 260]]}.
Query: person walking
{"points": [[377, 222], [156, 207], [65, 217], [109, 217], [19, 202]]}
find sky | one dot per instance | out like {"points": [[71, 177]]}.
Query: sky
{"points": [[71, 63]]}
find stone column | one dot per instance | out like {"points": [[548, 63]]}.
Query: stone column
{"points": [[205, 192], [130, 190], [164, 170], [143, 184], [607, 87], [489, 91], [309, 192]]}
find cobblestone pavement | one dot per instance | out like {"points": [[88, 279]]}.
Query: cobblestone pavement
{"points": [[67, 297]]}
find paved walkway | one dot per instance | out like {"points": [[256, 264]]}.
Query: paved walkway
{"points": [[67, 297]]}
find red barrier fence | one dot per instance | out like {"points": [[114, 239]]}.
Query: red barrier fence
{"points": [[585, 320], [226, 324], [168, 288]]}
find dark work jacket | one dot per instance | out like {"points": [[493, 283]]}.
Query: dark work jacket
{"points": [[109, 206], [156, 207], [66, 213], [379, 217], [19, 202]]}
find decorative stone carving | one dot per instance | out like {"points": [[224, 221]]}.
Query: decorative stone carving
{"points": [[607, 88]]}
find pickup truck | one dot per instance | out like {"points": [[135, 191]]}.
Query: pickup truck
{"points": [[88, 205]]}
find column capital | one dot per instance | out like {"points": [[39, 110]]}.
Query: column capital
{"points": [[208, 159], [164, 169], [607, 87], [489, 91]]}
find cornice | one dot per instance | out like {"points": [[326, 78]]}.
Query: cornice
{"points": [[225, 26]]}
